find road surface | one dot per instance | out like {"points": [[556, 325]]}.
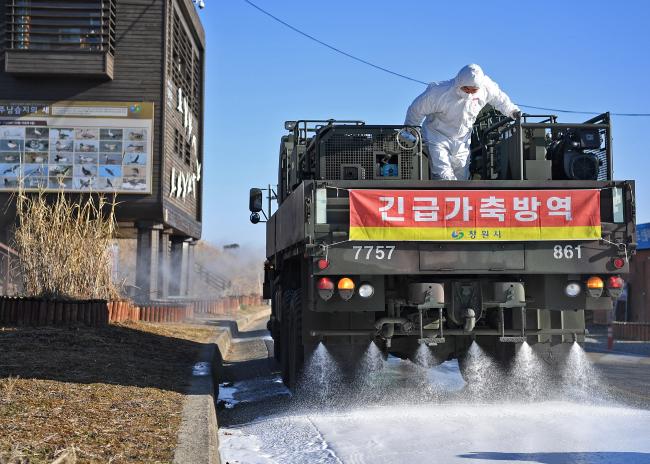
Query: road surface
{"points": [[404, 413]]}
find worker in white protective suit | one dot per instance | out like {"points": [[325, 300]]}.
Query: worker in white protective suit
{"points": [[449, 110]]}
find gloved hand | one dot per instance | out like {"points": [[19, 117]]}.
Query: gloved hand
{"points": [[516, 114]]}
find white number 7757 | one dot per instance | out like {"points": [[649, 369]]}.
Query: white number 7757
{"points": [[379, 251]]}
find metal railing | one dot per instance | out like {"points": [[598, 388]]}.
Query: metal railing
{"points": [[214, 280]]}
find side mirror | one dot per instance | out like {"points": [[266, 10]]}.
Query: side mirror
{"points": [[255, 201]]}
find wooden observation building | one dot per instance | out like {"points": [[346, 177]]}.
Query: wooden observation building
{"points": [[107, 96]]}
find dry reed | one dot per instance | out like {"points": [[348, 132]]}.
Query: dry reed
{"points": [[64, 245]]}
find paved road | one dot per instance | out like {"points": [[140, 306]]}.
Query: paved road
{"points": [[405, 413]]}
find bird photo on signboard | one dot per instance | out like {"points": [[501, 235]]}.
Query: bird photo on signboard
{"points": [[86, 147], [61, 170], [86, 172], [63, 146], [86, 134], [60, 159], [64, 134], [136, 135]]}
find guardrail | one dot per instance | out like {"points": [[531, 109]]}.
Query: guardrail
{"points": [[99, 313]]}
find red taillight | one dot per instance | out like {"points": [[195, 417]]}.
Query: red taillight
{"points": [[615, 286], [618, 263], [325, 283], [615, 282], [325, 288], [323, 264]]}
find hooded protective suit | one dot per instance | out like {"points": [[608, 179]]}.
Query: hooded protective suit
{"points": [[449, 114]]}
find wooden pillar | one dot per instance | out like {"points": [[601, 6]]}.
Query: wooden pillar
{"points": [[164, 253], [189, 272], [178, 264]]}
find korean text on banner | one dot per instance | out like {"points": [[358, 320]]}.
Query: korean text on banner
{"points": [[474, 215]]}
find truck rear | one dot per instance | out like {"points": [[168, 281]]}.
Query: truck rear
{"points": [[365, 247]]}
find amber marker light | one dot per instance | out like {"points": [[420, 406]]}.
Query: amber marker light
{"points": [[346, 288], [595, 286]]}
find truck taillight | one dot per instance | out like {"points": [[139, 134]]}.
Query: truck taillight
{"points": [[615, 286], [322, 264], [595, 286], [346, 288], [618, 263], [325, 288]]}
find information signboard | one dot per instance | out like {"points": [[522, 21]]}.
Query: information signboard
{"points": [[76, 146]]}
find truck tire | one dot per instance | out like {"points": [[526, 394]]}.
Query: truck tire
{"points": [[296, 349], [275, 327], [285, 327]]}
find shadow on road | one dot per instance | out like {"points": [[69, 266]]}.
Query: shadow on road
{"points": [[608, 457]]}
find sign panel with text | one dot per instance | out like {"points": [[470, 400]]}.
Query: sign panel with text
{"points": [[474, 215], [76, 146]]}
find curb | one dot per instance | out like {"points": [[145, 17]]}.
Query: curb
{"points": [[198, 438]]}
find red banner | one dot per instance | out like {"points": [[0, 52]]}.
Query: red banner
{"points": [[474, 215]]}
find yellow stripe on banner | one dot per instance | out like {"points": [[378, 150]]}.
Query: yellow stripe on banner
{"points": [[470, 234]]}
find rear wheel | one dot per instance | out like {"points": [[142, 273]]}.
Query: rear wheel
{"points": [[296, 348], [285, 331], [274, 326]]}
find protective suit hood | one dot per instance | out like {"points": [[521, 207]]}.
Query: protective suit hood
{"points": [[470, 76]]}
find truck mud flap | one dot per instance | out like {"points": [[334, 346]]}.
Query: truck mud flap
{"points": [[477, 257]]}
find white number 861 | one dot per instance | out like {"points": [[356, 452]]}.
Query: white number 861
{"points": [[567, 252]]}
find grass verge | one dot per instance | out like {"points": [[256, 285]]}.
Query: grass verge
{"points": [[112, 394]]}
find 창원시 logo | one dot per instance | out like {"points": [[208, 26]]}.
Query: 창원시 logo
{"points": [[457, 234]]}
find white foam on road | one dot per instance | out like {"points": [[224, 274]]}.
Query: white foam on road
{"points": [[485, 432], [426, 416], [548, 432]]}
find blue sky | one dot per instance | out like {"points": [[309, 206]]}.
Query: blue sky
{"points": [[579, 55]]}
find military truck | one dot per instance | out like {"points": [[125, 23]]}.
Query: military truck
{"points": [[365, 247]]}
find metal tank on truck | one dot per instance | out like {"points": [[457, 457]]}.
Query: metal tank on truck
{"points": [[364, 247]]}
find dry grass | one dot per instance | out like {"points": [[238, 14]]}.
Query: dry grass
{"points": [[95, 395], [64, 245]]}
